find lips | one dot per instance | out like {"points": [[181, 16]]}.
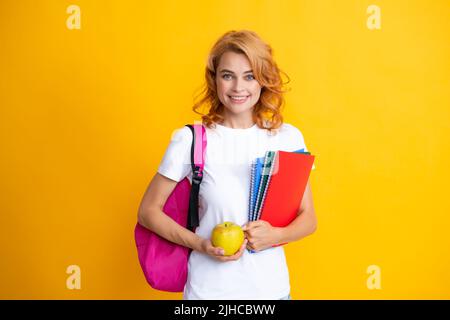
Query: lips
{"points": [[238, 99]]}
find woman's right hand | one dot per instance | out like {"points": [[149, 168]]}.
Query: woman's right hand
{"points": [[217, 252]]}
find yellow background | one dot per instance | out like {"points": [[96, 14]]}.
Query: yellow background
{"points": [[86, 116]]}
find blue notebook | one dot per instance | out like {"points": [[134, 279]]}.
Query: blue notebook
{"points": [[254, 184]]}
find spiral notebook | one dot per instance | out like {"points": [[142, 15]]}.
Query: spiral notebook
{"points": [[278, 182], [254, 184], [266, 169]]}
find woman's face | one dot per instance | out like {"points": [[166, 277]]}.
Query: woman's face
{"points": [[237, 89]]}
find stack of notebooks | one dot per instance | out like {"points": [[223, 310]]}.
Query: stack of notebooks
{"points": [[278, 182]]}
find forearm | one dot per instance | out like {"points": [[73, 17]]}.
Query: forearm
{"points": [[164, 226], [303, 225]]}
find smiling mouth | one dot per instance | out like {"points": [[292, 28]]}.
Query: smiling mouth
{"points": [[239, 99]]}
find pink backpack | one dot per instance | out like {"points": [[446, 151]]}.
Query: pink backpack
{"points": [[164, 263]]}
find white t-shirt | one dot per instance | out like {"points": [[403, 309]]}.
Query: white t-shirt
{"points": [[224, 196]]}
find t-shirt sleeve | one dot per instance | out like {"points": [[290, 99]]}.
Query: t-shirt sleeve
{"points": [[299, 142], [176, 162]]}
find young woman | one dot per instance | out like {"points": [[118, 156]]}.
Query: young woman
{"points": [[243, 93]]}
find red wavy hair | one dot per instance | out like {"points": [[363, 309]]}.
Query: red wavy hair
{"points": [[267, 111]]}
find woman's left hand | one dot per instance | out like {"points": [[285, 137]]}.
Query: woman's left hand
{"points": [[260, 235]]}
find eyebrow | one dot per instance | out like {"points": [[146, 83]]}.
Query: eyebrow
{"points": [[226, 70]]}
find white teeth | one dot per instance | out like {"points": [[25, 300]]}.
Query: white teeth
{"points": [[238, 97]]}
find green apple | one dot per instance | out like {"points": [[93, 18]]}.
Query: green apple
{"points": [[229, 236]]}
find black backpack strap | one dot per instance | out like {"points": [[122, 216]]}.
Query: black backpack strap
{"points": [[197, 176]]}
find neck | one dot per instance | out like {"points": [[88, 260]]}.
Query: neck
{"points": [[238, 122]]}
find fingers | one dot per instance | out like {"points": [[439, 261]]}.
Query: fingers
{"points": [[235, 256], [253, 224], [216, 251], [253, 247]]}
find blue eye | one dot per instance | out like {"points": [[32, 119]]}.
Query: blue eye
{"points": [[227, 76]]}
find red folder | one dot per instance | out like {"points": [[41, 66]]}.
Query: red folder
{"points": [[286, 188]]}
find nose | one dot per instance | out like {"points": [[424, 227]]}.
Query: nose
{"points": [[238, 85]]}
